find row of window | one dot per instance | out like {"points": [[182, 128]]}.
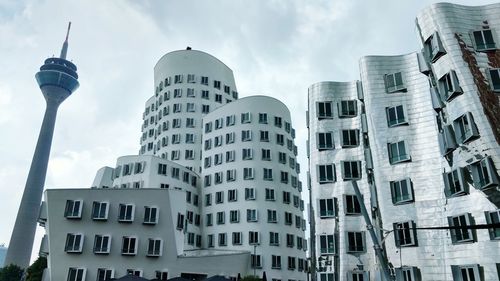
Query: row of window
{"points": [[350, 170], [247, 136], [100, 211], [328, 207], [253, 216], [346, 109], [249, 174], [254, 238], [267, 175], [247, 118], [270, 195], [483, 175], [256, 261], [348, 138], [192, 79], [190, 93], [248, 154], [102, 245]]}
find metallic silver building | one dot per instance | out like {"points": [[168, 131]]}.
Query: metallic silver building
{"points": [[57, 79], [429, 155]]}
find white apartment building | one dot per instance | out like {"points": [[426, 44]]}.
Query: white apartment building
{"points": [[214, 190], [429, 154]]}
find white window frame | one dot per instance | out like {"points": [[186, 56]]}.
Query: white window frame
{"points": [[73, 209], [155, 247], [126, 217], [151, 215], [102, 244], [74, 243], [76, 274], [97, 210], [129, 251]]}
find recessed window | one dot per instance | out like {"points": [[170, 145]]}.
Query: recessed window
{"points": [[255, 261], [237, 238], [204, 80], [267, 174], [178, 79], [433, 47], [191, 93], [394, 82], [217, 84], [262, 118], [495, 79], [405, 234], [395, 116], [327, 208], [288, 218], [180, 221], [234, 216], [282, 157], [73, 209], [460, 235], [454, 182], [248, 174], [126, 213], [230, 156], [484, 174], [278, 121], [154, 247], [274, 238], [105, 274], [264, 136], [324, 110], [484, 40], [266, 154], [466, 272], [493, 217], [290, 240], [231, 175], [246, 135], [398, 152], [230, 120], [284, 177], [355, 242], [247, 154], [280, 139], [205, 94], [218, 98], [465, 128], [205, 108], [252, 215], [129, 245], [150, 215], [351, 170], [100, 210], [401, 191], [249, 193], [351, 205], [326, 173], [291, 263], [330, 277], [327, 244], [449, 86], [325, 141], [102, 244], [286, 197], [221, 217], [74, 243], [222, 239], [272, 216], [347, 108], [349, 138], [253, 238], [275, 262], [246, 118], [76, 274]]}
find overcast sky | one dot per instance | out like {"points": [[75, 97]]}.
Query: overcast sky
{"points": [[274, 47]]}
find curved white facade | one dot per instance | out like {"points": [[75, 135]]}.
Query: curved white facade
{"points": [[250, 185], [430, 130]]}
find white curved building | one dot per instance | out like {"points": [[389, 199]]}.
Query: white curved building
{"points": [[429, 122], [214, 190]]}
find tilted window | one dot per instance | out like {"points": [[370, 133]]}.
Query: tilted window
{"points": [[401, 191], [454, 183], [493, 217], [324, 110], [398, 152], [465, 128], [405, 234], [396, 116], [484, 174], [449, 86], [434, 48], [394, 82], [460, 233], [484, 40], [355, 242]]}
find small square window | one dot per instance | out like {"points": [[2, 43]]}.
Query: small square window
{"points": [[324, 110], [395, 116], [394, 82], [348, 108], [398, 152], [326, 173], [484, 40], [401, 191], [325, 141]]}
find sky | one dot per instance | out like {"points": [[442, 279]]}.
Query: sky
{"points": [[274, 47]]}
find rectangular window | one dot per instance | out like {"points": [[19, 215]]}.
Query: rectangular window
{"points": [[177, 107], [449, 86], [205, 108], [191, 93], [204, 80], [268, 174], [278, 122], [232, 195], [266, 154], [126, 213], [230, 137], [234, 216], [355, 242], [129, 245], [102, 244], [460, 233], [252, 215], [262, 118], [433, 47], [454, 183], [405, 234], [270, 194], [248, 173], [327, 244], [280, 139], [470, 272], [291, 263], [249, 193], [401, 191], [222, 239], [327, 208], [484, 174], [495, 79], [221, 217], [347, 108], [217, 84], [290, 240], [351, 205], [349, 138], [274, 239], [217, 141], [253, 237], [326, 173], [465, 128], [325, 141], [237, 238], [324, 110], [394, 82], [230, 156], [288, 218], [180, 221], [493, 217], [100, 210], [74, 243], [209, 220], [210, 241], [76, 274], [154, 247], [105, 274], [255, 261], [286, 197], [219, 197], [230, 120], [218, 159], [329, 277], [282, 158], [246, 117], [398, 152], [247, 154], [177, 93], [351, 170], [231, 175], [272, 216], [178, 79], [246, 135], [484, 40], [190, 107], [395, 116], [73, 209], [150, 215], [264, 136], [275, 262]]}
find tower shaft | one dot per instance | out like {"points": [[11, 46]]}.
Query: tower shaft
{"points": [[21, 241]]}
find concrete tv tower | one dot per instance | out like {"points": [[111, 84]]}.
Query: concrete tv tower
{"points": [[57, 79]]}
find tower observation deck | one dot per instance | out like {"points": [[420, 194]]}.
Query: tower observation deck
{"points": [[57, 79]]}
